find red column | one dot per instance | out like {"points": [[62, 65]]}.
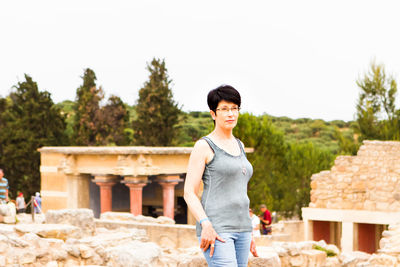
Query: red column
{"points": [[135, 191], [168, 198], [105, 195]]}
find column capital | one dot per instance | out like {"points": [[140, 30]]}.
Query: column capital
{"points": [[169, 178], [165, 185], [105, 178], [136, 186], [138, 179]]}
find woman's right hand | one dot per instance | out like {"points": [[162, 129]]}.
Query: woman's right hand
{"points": [[208, 237]]}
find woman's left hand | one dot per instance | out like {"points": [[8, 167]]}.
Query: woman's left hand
{"points": [[253, 248]]}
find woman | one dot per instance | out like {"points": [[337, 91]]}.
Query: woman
{"points": [[223, 223]]}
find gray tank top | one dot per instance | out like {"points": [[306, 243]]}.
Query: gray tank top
{"points": [[224, 198]]}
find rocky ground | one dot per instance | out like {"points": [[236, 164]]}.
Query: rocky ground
{"points": [[71, 238]]}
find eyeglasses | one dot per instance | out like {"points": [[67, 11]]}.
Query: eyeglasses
{"points": [[226, 110]]}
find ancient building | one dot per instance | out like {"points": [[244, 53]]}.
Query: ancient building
{"points": [[137, 179], [357, 199]]}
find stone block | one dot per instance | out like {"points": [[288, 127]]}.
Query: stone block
{"points": [[134, 254], [383, 206], [382, 260], [164, 220], [192, 261], [350, 259], [341, 185], [369, 205], [332, 262], [26, 257], [82, 218], [315, 258], [59, 231]]}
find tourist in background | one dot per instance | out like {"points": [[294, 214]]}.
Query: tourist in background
{"points": [[255, 221], [3, 188], [223, 222], [37, 203], [265, 219], [21, 205]]}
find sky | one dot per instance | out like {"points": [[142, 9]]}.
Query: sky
{"points": [[286, 58]]}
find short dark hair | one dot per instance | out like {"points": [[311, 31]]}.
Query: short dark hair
{"points": [[223, 92]]}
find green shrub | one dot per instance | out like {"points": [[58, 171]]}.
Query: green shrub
{"points": [[329, 253]]}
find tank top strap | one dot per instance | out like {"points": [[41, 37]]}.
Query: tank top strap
{"points": [[241, 146], [213, 146]]}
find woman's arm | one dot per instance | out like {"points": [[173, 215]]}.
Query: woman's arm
{"points": [[196, 165], [197, 162]]}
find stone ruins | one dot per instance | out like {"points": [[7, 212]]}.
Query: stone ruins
{"points": [[73, 237], [353, 203], [368, 181]]}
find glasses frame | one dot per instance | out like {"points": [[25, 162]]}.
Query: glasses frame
{"points": [[226, 111]]}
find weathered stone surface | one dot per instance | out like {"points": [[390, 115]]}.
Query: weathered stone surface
{"points": [[184, 257], [52, 264], [59, 231], [26, 256], [164, 220], [6, 229], [125, 216], [292, 248], [24, 218], [85, 251], [382, 260], [4, 210], [113, 239], [82, 218], [2, 261], [332, 262], [118, 216], [351, 259], [314, 257], [134, 253], [8, 212], [267, 257]]}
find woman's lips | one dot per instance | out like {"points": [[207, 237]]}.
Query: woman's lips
{"points": [[230, 121]]}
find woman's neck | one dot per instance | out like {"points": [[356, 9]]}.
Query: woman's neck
{"points": [[222, 133]]}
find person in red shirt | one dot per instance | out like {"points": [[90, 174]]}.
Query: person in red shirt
{"points": [[265, 219]]}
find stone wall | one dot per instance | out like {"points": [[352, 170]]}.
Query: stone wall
{"points": [[367, 181]]}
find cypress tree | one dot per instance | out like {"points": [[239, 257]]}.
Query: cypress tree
{"points": [[113, 119], [88, 97], [157, 112]]}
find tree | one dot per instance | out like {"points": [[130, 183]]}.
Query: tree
{"points": [[303, 160], [157, 112], [377, 116], [29, 121], [88, 98], [113, 119], [268, 160], [282, 170]]}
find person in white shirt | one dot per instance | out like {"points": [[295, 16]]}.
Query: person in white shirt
{"points": [[21, 203], [255, 221]]}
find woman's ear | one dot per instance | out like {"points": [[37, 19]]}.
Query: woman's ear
{"points": [[213, 115]]}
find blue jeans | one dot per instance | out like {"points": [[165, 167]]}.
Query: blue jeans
{"points": [[233, 253]]}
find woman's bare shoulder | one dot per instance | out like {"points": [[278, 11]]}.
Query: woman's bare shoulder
{"points": [[201, 145]]}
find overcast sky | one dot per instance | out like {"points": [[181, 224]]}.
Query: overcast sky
{"points": [[286, 58]]}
